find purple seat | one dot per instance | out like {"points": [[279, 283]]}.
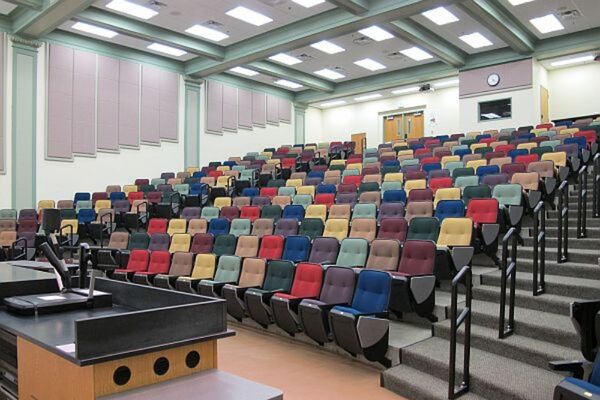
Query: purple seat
{"points": [[346, 198], [286, 227], [324, 250], [261, 201], [513, 168], [391, 210], [159, 242], [439, 173], [314, 181], [121, 206], [571, 149], [494, 179], [230, 213], [414, 175], [189, 213], [28, 213]]}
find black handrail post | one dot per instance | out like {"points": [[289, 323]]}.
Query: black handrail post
{"points": [[563, 222], [508, 270], [582, 202], [539, 249], [455, 322], [596, 187]]}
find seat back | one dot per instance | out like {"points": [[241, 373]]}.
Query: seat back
{"points": [[372, 292], [338, 286], [483, 211], [202, 243], [294, 211], [384, 255], [160, 262], [177, 225], [139, 240], [224, 245], [337, 228], [393, 228], [228, 269], [509, 194], [364, 228], [418, 209], [527, 180], [545, 169], [418, 258], [368, 210], [271, 212], [138, 260], [324, 250], [286, 227], [340, 211], [204, 266], [159, 242], [455, 232], [296, 248], [118, 240], [262, 227], [218, 226], [253, 272], [196, 226], [423, 228], [247, 246], [449, 208], [353, 253], [307, 280], [271, 247], [280, 275], [180, 242], [157, 225], [240, 226], [181, 264]]}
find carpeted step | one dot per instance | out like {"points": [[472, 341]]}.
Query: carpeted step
{"points": [[576, 243], [520, 348], [552, 232], [549, 327], [417, 385], [492, 376], [591, 222], [578, 270], [588, 256], [525, 299]]}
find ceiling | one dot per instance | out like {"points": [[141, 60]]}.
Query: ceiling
{"points": [[293, 28]]}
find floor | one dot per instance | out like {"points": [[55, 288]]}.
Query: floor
{"points": [[301, 371]]}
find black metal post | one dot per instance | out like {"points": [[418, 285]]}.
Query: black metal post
{"points": [[539, 249], [455, 323], [596, 187], [563, 222], [508, 270], [582, 202]]}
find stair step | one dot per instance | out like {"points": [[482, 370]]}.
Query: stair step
{"points": [[525, 299], [492, 376], [589, 256], [590, 222], [417, 385], [521, 348], [579, 270], [545, 326], [559, 285], [576, 243], [552, 232]]}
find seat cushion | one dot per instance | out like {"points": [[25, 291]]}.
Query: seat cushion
{"points": [[589, 387], [348, 310]]}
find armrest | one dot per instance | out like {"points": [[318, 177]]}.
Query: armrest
{"points": [[573, 367]]}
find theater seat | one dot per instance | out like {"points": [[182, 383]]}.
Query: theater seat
{"points": [[252, 276], [393, 228], [224, 245], [362, 327], [484, 214], [311, 227], [296, 248], [160, 261], [247, 246], [384, 255], [228, 271], [324, 250], [454, 247], [271, 247], [353, 253], [181, 265], [204, 268]]}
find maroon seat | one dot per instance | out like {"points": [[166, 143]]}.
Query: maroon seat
{"points": [[202, 243], [230, 213], [393, 228], [420, 195]]}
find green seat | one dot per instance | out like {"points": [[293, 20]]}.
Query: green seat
{"points": [[271, 212], [365, 210], [81, 204], [541, 150], [483, 150], [238, 168], [147, 188], [8, 213], [225, 245], [286, 191], [459, 147], [389, 169], [423, 228], [464, 181], [209, 213], [183, 189], [66, 213], [462, 172], [167, 196], [246, 175], [410, 161], [368, 160], [138, 240], [240, 226], [552, 143], [303, 200], [311, 227], [368, 187], [476, 192], [549, 134], [353, 253], [337, 167], [452, 165], [508, 194], [279, 277], [371, 150], [276, 183], [465, 141], [228, 269], [157, 181], [385, 186]]}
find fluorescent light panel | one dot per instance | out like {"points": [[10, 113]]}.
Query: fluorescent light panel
{"points": [[476, 40], [244, 71], [130, 8], [285, 59], [249, 16], [308, 3], [440, 16], [207, 33], [370, 64], [570, 61], [376, 33], [329, 74], [406, 90], [161, 48], [368, 97], [327, 47], [289, 84], [546, 24], [416, 54], [333, 103], [94, 30], [519, 2], [446, 83]]}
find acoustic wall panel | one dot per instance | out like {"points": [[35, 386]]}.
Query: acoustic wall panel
{"points": [[230, 108], [2, 131], [84, 103], [129, 104], [259, 107], [244, 109], [60, 103], [272, 110], [150, 113], [107, 135], [214, 107], [285, 111], [169, 105]]}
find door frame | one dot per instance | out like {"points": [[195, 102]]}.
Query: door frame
{"points": [[399, 111]]}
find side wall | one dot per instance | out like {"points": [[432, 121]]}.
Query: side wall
{"points": [[574, 91]]}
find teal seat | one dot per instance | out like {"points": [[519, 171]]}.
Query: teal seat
{"points": [[350, 172], [279, 277], [452, 165], [368, 160], [385, 186], [303, 200], [464, 181], [459, 147], [157, 181], [286, 191], [508, 194], [353, 253], [183, 189], [247, 175], [365, 210], [208, 213], [410, 161], [240, 226], [228, 269], [8, 213], [81, 204]]}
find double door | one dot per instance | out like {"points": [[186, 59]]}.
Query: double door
{"points": [[404, 126]]}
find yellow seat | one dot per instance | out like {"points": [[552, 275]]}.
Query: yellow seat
{"points": [[476, 146], [100, 204], [473, 134], [357, 166], [394, 177], [221, 202], [537, 132], [338, 162], [223, 168], [527, 146], [129, 188], [455, 232], [337, 228], [64, 226], [446, 159], [274, 161], [224, 181], [407, 152], [177, 225], [316, 211], [446, 194], [500, 161], [42, 204], [306, 190], [569, 131], [204, 267], [180, 242], [268, 154], [191, 170], [414, 184], [559, 158], [294, 183], [493, 145], [476, 164]]}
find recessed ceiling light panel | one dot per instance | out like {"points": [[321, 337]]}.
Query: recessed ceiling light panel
{"points": [[285, 59], [416, 54], [546, 24], [329, 74], [327, 47], [94, 30], [368, 97], [289, 84], [249, 16], [406, 90], [370, 64], [440, 16], [376, 33], [244, 71], [207, 33], [130, 8], [333, 103], [444, 84], [476, 40], [519, 2], [172, 51], [570, 61], [308, 3]]}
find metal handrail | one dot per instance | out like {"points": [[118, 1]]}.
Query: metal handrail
{"points": [[110, 220], [596, 187], [455, 322], [562, 254], [582, 202], [508, 270], [539, 249]]}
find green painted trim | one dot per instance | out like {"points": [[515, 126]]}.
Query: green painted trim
{"points": [[30, 51], [35, 4], [112, 50], [279, 71], [145, 31], [5, 23], [357, 7], [194, 88], [37, 23], [251, 85]]}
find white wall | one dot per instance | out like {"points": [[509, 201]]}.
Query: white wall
{"points": [[440, 108], [6, 178], [540, 78], [313, 125], [574, 91], [221, 147]]}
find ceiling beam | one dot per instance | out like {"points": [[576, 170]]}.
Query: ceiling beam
{"points": [[502, 23], [357, 7], [326, 25], [423, 37], [35, 4], [146, 31], [37, 23], [279, 71]]}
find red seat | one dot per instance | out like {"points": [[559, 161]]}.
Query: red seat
{"points": [[347, 188], [488, 140], [288, 163], [250, 212], [421, 151], [483, 211], [439, 183], [505, 148], [527, 159], [230, 212], [325, 198], [271, 247], [430, 160], [202, 243], [269, 192], [590, 136], [141, 181], [157, 225], [494, 154], [135, 196], [352, 179], [307, 282], [544, 126], [215, 174], [138, 261], [420, 195], [160, 262]]}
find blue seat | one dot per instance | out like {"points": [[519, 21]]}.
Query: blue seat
{"points": [[199, 174], [116, 196], [250, 192], [326, 188], [431, 167], [390, 196], [316, 174], [218, 226], [198, 189], [81, 196], [449, 209], [462, 152], [352, 326], [487, 170], [416, 146], [579, 140], [294, 211], [517, 152], [296, 248], [86, 216], [391, 163], [483, 136], [229, 163]]}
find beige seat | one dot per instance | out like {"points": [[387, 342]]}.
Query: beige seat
{"points": [[281, 201], [527, 180], [370, 197], [340, 211], [118, 241], [241, 201], [384, 255], [197, 225], [364, 228], [262, 227], [418, 209], [7, 238], [545, 169], [253, 272], [247, 246]]}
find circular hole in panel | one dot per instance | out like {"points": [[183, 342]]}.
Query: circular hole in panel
{"points": [[122, 375], [192, 359], [161, 366]]}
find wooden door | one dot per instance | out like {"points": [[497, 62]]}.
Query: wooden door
{"points": [[414, 125], [359, 139], [390, 128], [544, 118]]}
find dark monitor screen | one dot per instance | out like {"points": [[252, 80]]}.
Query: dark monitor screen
{"points": [[495, 109]]}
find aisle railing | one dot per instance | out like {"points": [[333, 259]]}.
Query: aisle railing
{"points": [[562, 254], [465, 276], [508, 270], [539, 249]]}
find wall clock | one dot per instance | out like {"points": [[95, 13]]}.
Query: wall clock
{"points": [[493, 79]]}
